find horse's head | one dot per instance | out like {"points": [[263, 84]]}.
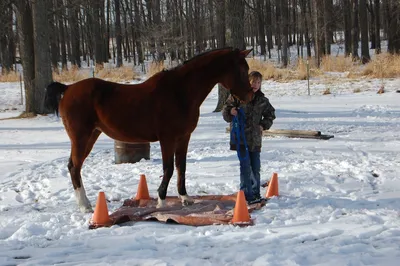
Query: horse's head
{"points": [[237, 77]]}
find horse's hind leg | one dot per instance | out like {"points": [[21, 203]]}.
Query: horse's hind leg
{"points": [[80, 149], [180, 162], [167, 150]]}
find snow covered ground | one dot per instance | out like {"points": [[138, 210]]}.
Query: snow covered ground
{"points": [[339, 203]]}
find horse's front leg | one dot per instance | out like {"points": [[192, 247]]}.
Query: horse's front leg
{"points": [[180, 162], [167, 151]]}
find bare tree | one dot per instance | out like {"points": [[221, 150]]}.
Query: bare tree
{"points": [[260, 10], [328, 6], [60, 11], [305, 24], [223, 93], [73, 9], [43, 73], [25, 30], [235, 23], [318, 30], [268, 22], [392, 10], [7, 45], [354, 29], [35, 57], [53, 38], [365, 58], [377, 26], [285, 31], [118, 32], [347, 26]]}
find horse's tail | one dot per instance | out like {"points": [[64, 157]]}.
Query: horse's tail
{"points": [[53, 95]]}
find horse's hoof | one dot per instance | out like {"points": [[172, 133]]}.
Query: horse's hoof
{"points": [[186, 200], [86, 209], [160, 203]]}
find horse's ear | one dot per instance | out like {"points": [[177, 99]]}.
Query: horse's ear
{"points": [[244, 53]]}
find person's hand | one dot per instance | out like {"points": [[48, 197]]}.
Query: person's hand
{"points": [[234, 111]]}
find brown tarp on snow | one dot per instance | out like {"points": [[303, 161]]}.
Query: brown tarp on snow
{"points": [[206, 210]]}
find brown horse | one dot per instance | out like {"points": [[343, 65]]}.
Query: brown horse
{"points": [[164, 108]]}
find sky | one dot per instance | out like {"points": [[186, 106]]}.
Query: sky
{"points": [[339, 199]]}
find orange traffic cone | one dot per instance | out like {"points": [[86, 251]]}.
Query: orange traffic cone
{"points": [[273, 187], [143, 191], [100, 215], [240, 212]]}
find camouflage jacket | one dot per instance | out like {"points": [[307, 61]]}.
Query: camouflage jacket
{"points": [[258, 112]]}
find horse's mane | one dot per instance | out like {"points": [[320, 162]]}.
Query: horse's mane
{"points": [[166, 73], [206, 53], [198, 56]]}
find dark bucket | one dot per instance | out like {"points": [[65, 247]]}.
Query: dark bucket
{"points": [[131, 152]]}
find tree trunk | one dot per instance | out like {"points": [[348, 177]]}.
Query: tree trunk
{"points": [[303, 6], [354, 30], [96, 35], [43, 74], [328, 9], [54, 47], [318, 30], [63, 49], [278, 26], [377, 27], [159, 27], [108, 26], [150, 27], [138, 27], [189, 28], [261, 26], [74, 33], [365, 58], [393, 20], [268, 18], [371, 23], [25, 31], [235, 21], [347, 27], [127, 50], [285, 31], [118, 32], [102, 19], [223, 93], [197, 30], [7, 47], [212, 24]]}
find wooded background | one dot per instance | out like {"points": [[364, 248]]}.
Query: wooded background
{"points": [[46, 34]]}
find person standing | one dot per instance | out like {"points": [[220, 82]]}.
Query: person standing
{"points": [[247, 122]]}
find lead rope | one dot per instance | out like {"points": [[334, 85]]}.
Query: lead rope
{"points": [[238, 124]]}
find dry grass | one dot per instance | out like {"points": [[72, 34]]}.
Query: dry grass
{"points": [[74, 74], [21, 116], [383, 66], [11, 76], [338, 64], [301, 69], [296, 72], [71, 75], [268, 70], [155, 67], [123, 73]]}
